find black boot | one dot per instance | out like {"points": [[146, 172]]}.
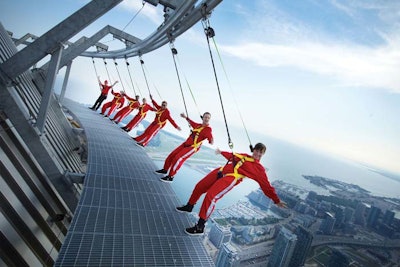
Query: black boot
{"points": [[187, 208], [197, 229]]}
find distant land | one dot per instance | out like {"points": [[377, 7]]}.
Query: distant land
{"points": [[387, 174]]}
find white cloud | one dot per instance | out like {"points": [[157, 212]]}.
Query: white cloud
{"points": [[352, 65]]}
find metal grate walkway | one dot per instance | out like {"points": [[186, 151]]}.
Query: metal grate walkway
{"points": [[126, 216]]}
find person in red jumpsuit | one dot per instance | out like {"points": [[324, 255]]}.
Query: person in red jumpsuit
{"points": [[104, 88], [116, 103], [162, 115], [143, 108], [221, 180], [200, 132], [133, 103]]}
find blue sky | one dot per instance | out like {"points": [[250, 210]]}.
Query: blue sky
{"points": [[320, 74]]}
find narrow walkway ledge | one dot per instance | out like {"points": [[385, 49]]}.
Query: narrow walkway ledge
{"points": [[126, 216]]}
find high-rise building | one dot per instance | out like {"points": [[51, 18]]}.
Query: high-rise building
{"points": [[303, 245], [283, 249], [227, 256], [327, 224], [339, 216], [373, 216], [359, 214], [219, 235], [348, 214], [388, 217]]}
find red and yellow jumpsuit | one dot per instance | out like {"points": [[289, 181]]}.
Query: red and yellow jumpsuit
{"points": [[132, 104], [117, 102], [192, 144], [140, 116], [239, 167], [162, 115]]}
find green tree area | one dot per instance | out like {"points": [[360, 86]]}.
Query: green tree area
{"points": [[244, 222]]}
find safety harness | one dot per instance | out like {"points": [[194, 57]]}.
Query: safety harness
{"points": [[242, 159], [141, 108], [158, 115], [195, 133], [132, 104]]}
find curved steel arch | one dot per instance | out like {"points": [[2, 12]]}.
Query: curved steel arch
{"points": [[180, 21]]}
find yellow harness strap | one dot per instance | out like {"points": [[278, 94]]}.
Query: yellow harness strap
{"points": [[117, 99], [141, 108], [158, 114], [196, 133], [237, 166], [132, 103]]}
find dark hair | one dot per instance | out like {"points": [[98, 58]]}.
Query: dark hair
{"points": [[261, 147], [205, 113]]}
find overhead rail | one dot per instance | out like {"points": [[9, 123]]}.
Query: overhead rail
{"points": [[183, 18]]}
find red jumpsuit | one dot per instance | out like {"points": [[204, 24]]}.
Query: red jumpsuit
{"points": [[133, 103], [117, 102], [162, 115], [192, 144], [140, 116], [103, 95], [232, 174]]}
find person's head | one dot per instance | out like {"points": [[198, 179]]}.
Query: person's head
{"points": [[259, 151], [144, 100], [137, 97], [105, 82], [164, 104], [206, 117]]}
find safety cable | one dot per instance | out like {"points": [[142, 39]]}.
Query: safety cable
{"points": [[95, 70], [130, 76], [119, 76], [187, 83], [175, 52], [209, 34], [144, 74], [234, 98], [143, 3], [134, 16], [145, 77], [108, 74]]}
